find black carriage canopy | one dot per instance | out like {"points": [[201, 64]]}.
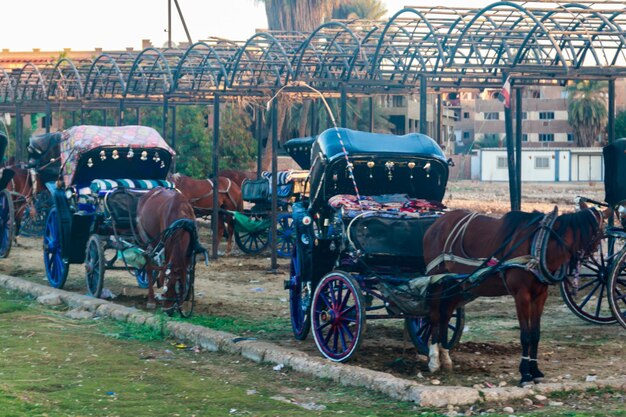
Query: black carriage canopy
{"points": [[615, 172], [411, 164]]}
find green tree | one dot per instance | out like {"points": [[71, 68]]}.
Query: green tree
{"points": [[620, 125], [298, 15], [587, 112], [360, 9]]}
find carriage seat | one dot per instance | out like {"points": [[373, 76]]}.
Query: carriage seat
{"points": [[392, 204], [102, 187], [39, 145]]}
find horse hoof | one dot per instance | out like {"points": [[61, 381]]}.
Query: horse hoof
{"points": [[151, 306], [527, 380], [538, 380]]}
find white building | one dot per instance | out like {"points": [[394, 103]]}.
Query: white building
{"points": [[541, 165]]}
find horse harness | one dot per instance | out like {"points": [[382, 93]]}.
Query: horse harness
{"points": [[535, 262], [210, 193]]}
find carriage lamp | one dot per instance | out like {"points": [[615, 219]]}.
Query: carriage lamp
{"points": [[306, 220], [411, 165], [370, 165], [389, 165], [427, 169], [130, 153], [156, 157], [144, 155], [115, 154], [90, 162], [103, 155]]}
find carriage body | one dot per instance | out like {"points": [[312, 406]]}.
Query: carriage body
{"points": [[359, 247], [101, 170]]}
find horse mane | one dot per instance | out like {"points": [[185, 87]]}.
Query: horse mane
{"points": [[582, 223], [514, 220]]}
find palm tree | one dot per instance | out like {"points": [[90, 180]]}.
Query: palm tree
{"points": [[298, 15], [587, 113], [360, 9]]}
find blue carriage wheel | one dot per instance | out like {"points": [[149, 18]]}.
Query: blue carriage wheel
{"points": [[419, 330], [95, 266], [142, 277], [285, 233], [299, 299], [56, 265], [7, 223], [585, 294], [338, 316], [252, 242]]}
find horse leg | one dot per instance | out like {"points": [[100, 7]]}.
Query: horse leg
{"points": [[151, 304], [220, 232], [535, 333], [444, 351], [434, 363], [522, 305]]}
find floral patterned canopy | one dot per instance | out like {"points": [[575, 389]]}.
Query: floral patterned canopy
{"points": [[79, 140]]}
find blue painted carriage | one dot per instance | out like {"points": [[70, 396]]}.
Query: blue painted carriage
{"points": [[596, 289], [104, 171], [358, 247]]}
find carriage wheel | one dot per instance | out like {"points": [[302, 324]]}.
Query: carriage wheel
{"points": [[185, 297], [95, 266], [252, 242], [285, 233], [338, 316], [142, 277], [617, 289], [299, 299], [35, 215], [7, 223], [419, 330], [56, 266], [585, 295]]}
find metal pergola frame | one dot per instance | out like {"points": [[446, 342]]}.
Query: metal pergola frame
{"points": [[418, 50]]}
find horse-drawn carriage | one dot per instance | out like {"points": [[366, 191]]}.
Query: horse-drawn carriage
{"points": [[252, 224], [104, 173], [358, 245], [596, 290]]}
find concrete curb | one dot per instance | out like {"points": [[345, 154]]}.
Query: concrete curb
{"points": [[258, 351]]}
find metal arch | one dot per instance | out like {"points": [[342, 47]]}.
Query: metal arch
{"points": [[406, 54], [201, 69], [333, 55], [58, 81], [7, 86], [39, 82], [515, 6], [149, 75], [375, 58], [94, 75], [274, 42], [605, 22]]}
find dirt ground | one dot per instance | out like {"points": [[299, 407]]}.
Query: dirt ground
{"points": [[488, 355]]}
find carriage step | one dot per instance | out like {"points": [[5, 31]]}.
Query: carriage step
{"points": [[286, 284]]}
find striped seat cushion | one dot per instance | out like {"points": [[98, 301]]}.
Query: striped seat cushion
{"points": [[105, 185]]}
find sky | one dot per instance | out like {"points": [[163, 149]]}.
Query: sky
{"points": [[52, 25]]}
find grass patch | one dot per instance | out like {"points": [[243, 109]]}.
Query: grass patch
{"points": [[132, 331], [238, 325]]}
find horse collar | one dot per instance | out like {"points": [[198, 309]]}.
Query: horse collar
{"points": [[539, 248]]}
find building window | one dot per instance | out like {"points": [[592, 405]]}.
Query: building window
{"points": [[570, 137], [399, 101], [546, 115], [546, 137], [466, 115], [542, 162], [466, 135], [524, 137], [524, 115], [493, 115], [502, 162]]}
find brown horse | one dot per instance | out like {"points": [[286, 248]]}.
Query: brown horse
{"points": [[166, 221], [200, 195], [522, 252], [23, 188], [237, 176]]}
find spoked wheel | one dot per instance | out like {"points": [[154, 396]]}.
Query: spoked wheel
{"points": [[285, 233], [184, 289], [419, 330], [617, 289], [299, 299], [142, 277], [338, 316], [7, 223], [56, 266], [95, 266], [253, 241], [585, 295], [35, 215]]}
